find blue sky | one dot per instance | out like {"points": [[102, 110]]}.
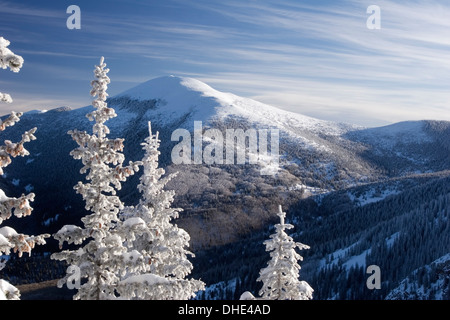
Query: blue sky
{"points": [[317, 58]]}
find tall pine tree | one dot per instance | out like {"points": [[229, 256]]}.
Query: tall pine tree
{"points": [[103, 259], [159, 240], [281, 276]]}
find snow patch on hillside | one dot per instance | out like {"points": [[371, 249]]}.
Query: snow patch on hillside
{"points": [[308, 190], [390, 240], [372, 195], [348, 260], [336, 256], [357, 260]]}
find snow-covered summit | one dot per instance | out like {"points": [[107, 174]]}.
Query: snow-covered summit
{"points": [[168, 87], [177, 102], [181, 94]]}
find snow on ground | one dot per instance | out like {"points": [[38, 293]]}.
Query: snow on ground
{"points": [[343, 255], [371, 196], [335, 256], [308, 189], [407, 132], [390, 240], [358, 260]]}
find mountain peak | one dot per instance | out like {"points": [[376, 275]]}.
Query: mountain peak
{"points": [[179, 96], [165, 86], [183, 95]]}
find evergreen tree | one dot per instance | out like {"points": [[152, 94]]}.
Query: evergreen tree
{"points": [[103, 259], [281, 277], [20, 207], [160, 242]]}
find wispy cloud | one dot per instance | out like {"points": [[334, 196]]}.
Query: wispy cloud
{"points": [[318, 58], [14, 8], [333, 62]]}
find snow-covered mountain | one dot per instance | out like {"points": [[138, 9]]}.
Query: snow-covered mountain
{"points": [[180, 95], [314, 154], [339, 154], [326, 169]]}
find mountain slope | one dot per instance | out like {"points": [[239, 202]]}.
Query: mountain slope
{"points": [[405, 233], [429, 282], [407, 147], [180, 95], [221, 202], [357, 196]]}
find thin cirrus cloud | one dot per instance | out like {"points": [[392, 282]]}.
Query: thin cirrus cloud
{"points": [[314, 58], [402, 70], [9, 8]]}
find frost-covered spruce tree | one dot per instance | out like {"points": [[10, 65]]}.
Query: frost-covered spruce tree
{"points": [[20, 207], [159, 240], [103, 258], [281, 277]]}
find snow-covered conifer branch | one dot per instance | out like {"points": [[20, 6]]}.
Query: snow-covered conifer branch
{"points": [[10, 239], [8, 59]]}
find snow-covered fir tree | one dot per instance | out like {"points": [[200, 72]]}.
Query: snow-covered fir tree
{"points": [[281, 276], [162, 244], [103, 259], [10, 239]]}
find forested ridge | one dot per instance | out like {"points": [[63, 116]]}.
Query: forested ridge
{"points": [[401, 233]]}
